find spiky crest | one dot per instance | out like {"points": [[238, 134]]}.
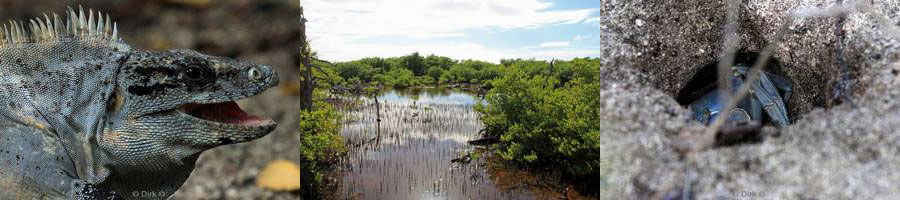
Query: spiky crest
{"points": [[77, 26]]}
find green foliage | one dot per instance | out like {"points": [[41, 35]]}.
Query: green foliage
{"points": [[424, 71], [436, 73], [355, 70], [473, 72], [547, 117], [490, 72], [415, 63], [379, 64], [397, 77], [445, 78], [440, 62], [320, 145], [425, 80], [461, 73]]}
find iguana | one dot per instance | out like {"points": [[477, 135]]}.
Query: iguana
{"points": [[85, 116]]}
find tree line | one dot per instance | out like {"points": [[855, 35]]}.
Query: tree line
{"points": [[414, 70]]}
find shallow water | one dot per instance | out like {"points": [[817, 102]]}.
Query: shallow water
{"points": [[407, 155]]}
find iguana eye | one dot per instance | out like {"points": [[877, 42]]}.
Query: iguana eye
{"points": [[195, 75], [254, 74]]}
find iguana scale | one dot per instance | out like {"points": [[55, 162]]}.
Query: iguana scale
{"points": [[85, 116]]}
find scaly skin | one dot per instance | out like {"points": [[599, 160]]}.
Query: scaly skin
{"points": [[83, 116], [169, 141]]}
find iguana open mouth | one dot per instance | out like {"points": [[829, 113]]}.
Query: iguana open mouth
{"points": [[225, 112]]}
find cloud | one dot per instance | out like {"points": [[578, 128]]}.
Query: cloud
{"points": [[581, 37], [463, 50], [554, 44], [351, 29], [595, 21]]}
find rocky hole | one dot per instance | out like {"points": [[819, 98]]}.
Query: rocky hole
{"points": [[705, 80]]}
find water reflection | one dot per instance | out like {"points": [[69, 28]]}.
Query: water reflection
{"points": [[431, 96], [407, 155]]}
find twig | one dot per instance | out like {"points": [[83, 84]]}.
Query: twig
{"points": [[686, 188], [317, 67], [305, 51], [320, 60], [731, 46], [844, 88], [724, 67], [320, 68]]}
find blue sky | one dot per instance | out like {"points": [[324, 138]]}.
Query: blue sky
{"points": [[489, 30]]}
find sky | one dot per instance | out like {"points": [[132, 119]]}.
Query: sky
{"points": [[488, 30]]}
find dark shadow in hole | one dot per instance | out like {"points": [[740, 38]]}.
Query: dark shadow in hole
{"points": [[705, 79]]}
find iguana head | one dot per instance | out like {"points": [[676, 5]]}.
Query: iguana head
{"points": [[127, 120], [171, 105]]}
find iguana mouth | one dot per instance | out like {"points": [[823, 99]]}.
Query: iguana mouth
{"points": [[225, 112]]}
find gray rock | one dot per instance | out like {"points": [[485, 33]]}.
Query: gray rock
{"points": [[831, 151]]}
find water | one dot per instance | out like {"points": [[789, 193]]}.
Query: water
{"points": [[408, 154]]}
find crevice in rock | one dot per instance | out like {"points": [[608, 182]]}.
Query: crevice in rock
{"points": [[705, 80]]}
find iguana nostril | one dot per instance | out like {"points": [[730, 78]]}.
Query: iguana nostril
{"points": [[272, 76]]}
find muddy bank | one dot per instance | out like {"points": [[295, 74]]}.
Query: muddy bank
{"points": [[830, 152]]}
